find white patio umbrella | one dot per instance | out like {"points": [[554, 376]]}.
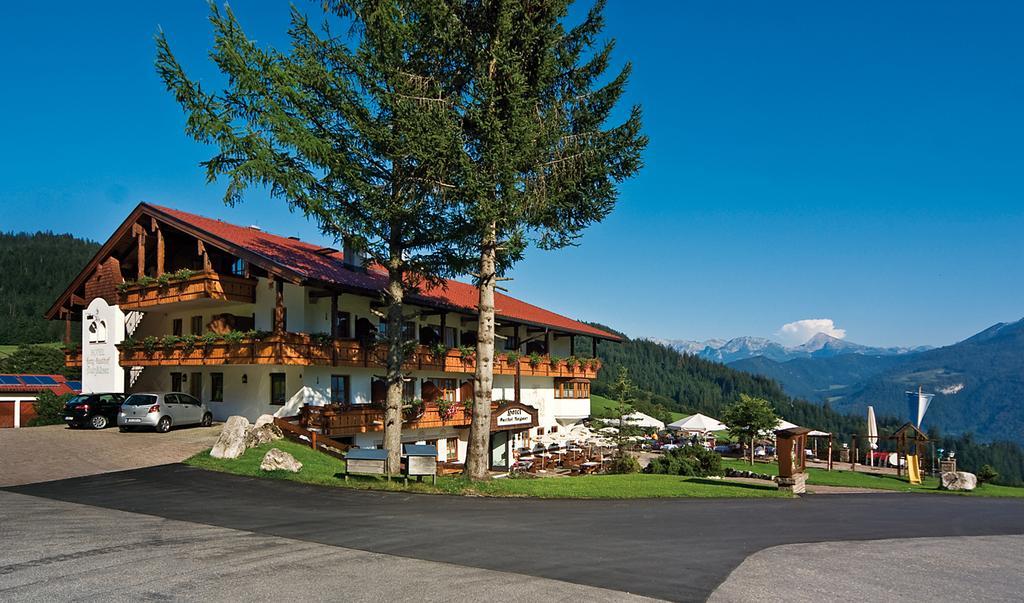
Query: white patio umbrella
{"points": [[872, 432], [698, 423]]}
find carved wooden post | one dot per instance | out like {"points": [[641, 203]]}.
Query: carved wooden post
{"points": [[140, 250], [201, 251], [279, 325], [160, 255], [67, 326]]}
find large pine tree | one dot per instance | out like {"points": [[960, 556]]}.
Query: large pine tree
{"points": [[542, 160], [351, 129]]}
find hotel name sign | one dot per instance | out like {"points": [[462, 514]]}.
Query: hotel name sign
{"points": [[514, 415]]}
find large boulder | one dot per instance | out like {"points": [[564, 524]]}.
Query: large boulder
{"points": [[263, 420], [279, 460], [959, 480], [262, 434], [231, 443]]}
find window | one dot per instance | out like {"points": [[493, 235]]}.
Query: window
{"points": [[340, 389], [197, 325], [451, 337], [452, 452], [216, 387], [187, 399], [175, 382], [344, 322], [238, 267], [443, 388], [195, 385], [408, 389], [572, 388], [511, 342], [409, 330], [277, 388], [176, 327]]}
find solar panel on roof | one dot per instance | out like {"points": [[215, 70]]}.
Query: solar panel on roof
{"points": [[77, 385], [46, 380], [7, 380], [30, 380]]}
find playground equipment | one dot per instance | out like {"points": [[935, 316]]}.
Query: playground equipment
{"points": [[913, 469]]}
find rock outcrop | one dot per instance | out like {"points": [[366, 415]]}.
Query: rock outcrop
{"points": [[959, 480], [262, 434], [232, 441], [279, 460]]}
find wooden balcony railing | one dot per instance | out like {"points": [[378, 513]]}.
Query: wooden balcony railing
{"points": [[308, 350], [73, 358], [204, 285], [334, 420]]}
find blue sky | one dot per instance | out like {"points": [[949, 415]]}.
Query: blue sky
{"points": [[808, 160]]}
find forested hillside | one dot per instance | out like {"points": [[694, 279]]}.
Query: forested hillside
{"points": [[34, 269], [670, 381]]}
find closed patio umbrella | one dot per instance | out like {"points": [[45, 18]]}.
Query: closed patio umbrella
{"points": [[872, 433]]}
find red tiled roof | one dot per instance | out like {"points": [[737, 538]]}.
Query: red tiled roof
{"points": [[25, 386], [302, 258]]}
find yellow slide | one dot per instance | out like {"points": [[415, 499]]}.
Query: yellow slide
{"points": [[913, 469]]}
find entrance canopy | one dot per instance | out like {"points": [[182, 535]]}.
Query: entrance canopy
{"points": [[698, 423]]}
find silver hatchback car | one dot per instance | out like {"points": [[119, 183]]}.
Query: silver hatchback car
{"points": [[162, 410]]}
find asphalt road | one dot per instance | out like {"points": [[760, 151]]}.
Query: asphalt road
{"points": [[669, 548], [58, 551]]}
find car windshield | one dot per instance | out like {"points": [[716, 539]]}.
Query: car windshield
{"points": [[77, 399], [140, 400]]}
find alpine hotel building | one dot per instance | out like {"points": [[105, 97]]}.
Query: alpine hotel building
{"points": [[253, 323]]}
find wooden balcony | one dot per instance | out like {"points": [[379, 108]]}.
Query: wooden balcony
{"points": [[307, 350], [73, 358], [337, 421], [205, 285]]}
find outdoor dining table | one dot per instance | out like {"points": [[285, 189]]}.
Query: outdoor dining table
{"points": [[544, 458]]}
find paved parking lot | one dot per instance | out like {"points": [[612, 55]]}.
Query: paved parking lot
{"points": [[39, 454]]}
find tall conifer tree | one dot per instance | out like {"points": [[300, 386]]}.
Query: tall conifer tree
{"points": [[542, 160], [352, 130]]}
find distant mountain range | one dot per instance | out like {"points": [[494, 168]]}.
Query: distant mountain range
{"points": [[978, 383], [741, 348]]}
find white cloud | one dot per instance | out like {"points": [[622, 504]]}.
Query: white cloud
{"points": [[796, 333]]}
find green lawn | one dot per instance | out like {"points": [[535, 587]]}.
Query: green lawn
{"points": [[858, 479], [325, 470], [608, 408], [7, 350]]}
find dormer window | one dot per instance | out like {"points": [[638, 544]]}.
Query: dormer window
{"points": [[238, 267]]}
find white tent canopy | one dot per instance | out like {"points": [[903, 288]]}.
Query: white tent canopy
{"points": [[639, 419], [698, 423]]}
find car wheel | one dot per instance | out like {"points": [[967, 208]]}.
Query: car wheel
{"points": [[207, 420], [164, 425], [98, 422]]}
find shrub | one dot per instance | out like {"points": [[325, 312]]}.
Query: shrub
{"points": [[163, 280], [467, 352], [50, 408], [554, 361], [169, 340], [987, 474], [150, 344], [439, 351], [689, 460], [624, 463], [184, 273], [208, 338], [535, 359], [145, 281], [234, 337], [512, 357]]}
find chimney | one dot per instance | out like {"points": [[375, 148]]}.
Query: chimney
{"points": [[353, 259]]}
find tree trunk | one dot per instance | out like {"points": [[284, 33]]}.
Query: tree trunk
{"points": [[477, 461], [393, 400]]}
